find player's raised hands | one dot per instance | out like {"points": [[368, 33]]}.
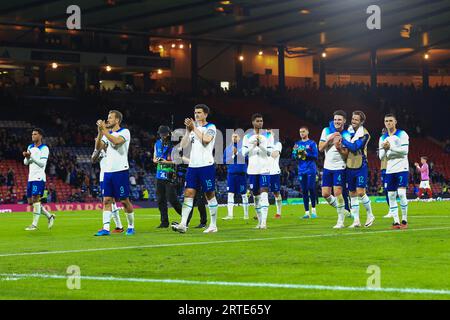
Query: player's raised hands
{"points": [[26, 154], [337, 141], [333, 135], [189, 123], [386, 145], [100, 125]]}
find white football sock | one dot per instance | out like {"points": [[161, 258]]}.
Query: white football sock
{"points": [[114, 207], [258, 207], [213, 206], [187, 207], [332, 201], [340, 208], [354, 202], [106, 220], [36, 213], [264, 207], [245, 205], [230, 204], [365, 200], [393, 208], [279, 202], [48, 214], [116, 216], [403, 203], [130, 219]]}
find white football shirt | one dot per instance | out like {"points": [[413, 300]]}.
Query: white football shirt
{"points": [[117, 156], [333, 159], [275, 162], [258, 156], [202, 155], [397, 155], [37, 162]]}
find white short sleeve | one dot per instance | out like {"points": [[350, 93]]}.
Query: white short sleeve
{"points": [[323, 136], [125, 133], [211, 130], [45, 153], [404, 139], [278, 147]]}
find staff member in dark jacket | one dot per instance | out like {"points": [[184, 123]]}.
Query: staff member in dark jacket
{"points": [[165, 176]]}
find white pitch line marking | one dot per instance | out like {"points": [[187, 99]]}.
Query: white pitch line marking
{"points": [[233, 284], [337, 234]]}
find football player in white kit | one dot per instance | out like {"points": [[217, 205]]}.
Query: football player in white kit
{"points": [[333, 177], [100, 157], [394, 144], [36, 158], [201, 172], [258, 146], [116, 184]]}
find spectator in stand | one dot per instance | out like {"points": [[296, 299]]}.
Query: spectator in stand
{"points": [[145, 194], [140, 179], [54, 195], [132, 180], [44, 198], [10, 178], [95, 189], [445, 190], [447, 146], [2, 180], [7, 198]]}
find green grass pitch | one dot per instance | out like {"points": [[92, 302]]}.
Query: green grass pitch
{"points": [[292, 259]]}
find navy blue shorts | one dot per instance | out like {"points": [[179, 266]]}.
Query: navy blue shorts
{"points": [[203, 178], [307, 181], [237, 183], [258, 181], [35, 188], [274, 183], [356, 178], [333, 178], [393, 181], [116, 185]]}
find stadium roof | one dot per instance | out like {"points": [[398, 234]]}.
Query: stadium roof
{"points": [[308, 24]]}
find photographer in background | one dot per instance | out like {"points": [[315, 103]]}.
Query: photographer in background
{"points": [[165, 175]]}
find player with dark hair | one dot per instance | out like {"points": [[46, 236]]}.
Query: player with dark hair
{"points": [[36, 158], [257, 145], [334, 166], [201, 173], [236, 175]]}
